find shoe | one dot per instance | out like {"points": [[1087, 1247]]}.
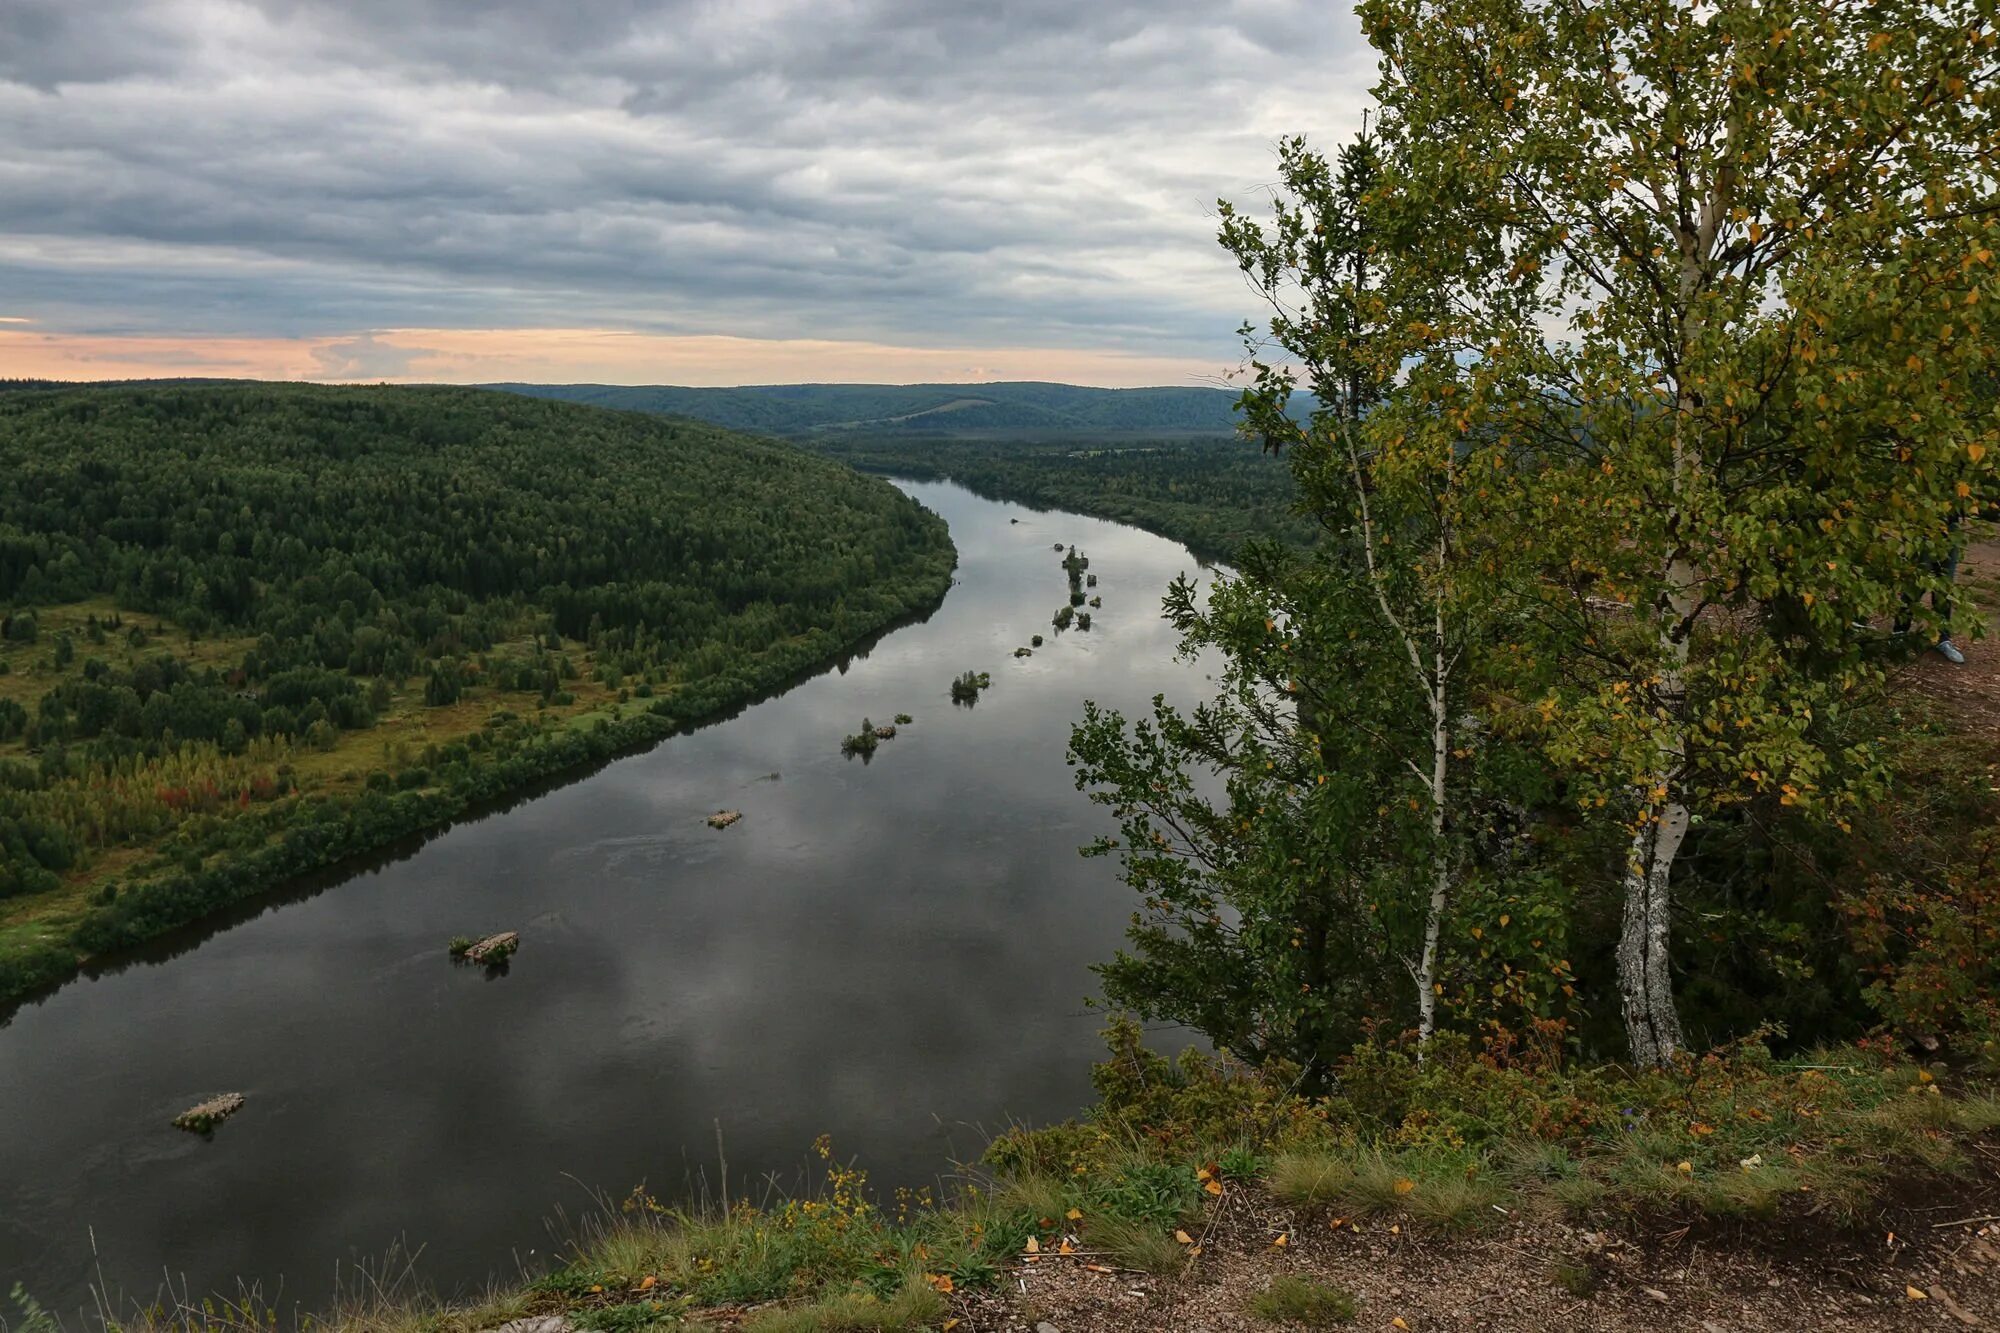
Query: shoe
{"points": [[1949, 652]]}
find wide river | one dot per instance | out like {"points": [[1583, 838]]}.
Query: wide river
{"points": [[896, 954]]}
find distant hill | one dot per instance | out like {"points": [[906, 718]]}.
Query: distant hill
{"points": [[1026, 408]]}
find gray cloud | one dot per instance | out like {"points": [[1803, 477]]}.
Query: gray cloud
{"points": [[1032, 173]]}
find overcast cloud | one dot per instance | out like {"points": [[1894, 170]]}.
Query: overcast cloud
{"points": [[1032, 175]]}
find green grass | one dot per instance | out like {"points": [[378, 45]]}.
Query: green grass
{"points": [[1291, 1299]]}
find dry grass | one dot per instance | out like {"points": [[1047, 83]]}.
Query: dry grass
{"points": [[1141, 1246], [914, 1306]]}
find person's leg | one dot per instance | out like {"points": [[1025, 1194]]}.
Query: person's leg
{"points": [[1941, 600]]}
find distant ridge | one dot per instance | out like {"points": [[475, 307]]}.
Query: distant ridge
{"points": [[1007, 408]]}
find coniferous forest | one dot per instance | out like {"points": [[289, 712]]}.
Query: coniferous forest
{"points": [[250, 630]]}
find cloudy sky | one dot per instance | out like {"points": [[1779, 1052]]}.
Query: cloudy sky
{"points": [[644, 191]]}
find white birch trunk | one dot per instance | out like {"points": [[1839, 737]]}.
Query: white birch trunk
{"points": [[1441, 863], [1645, 975]]}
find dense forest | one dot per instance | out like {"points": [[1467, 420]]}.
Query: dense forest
{"points": [[1166, 460], [245, 630], [1026, 408], [1209, 494]]}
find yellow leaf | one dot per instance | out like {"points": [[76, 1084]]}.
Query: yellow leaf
{"points": [[1686, 1168], [1183, 1238], [948, 1325], [1504, 918], [1033, 1246], [1065, 1248], [1916, 1293], [1404, 1186], [1282, 1240], [941, 1281], [1975, 451], [1397, 1322], [1213, 1187], [649, 1282], [1074, 1214]]}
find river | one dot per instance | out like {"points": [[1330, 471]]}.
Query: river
{"points": [[893, 953]]}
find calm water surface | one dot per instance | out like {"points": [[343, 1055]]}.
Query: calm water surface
{"points": [[893, 953]]}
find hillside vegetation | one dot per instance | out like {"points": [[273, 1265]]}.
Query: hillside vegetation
{"points": [[1212, 495], [248, 630], [921, 409]]}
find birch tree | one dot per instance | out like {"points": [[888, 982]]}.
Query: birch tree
{"points": [[1730, 263], [1359, 321], [1300, 840]]}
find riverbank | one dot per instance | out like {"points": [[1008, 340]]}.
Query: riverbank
{"points": [[1845, 1189], [250, 631], [419, 773]]}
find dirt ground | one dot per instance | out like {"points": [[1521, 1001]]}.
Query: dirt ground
{"points": [[1928, 1266], [1970, 692]]}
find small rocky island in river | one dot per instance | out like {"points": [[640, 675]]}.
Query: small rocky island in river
{"points": [[490, 951], [205, 1116]]}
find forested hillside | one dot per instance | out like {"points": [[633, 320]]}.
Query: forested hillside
{"points": [[1211, 495], [246, 630], [921, 409]]}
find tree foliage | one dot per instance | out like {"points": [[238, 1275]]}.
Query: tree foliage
{"points": [[1653, 385]]}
